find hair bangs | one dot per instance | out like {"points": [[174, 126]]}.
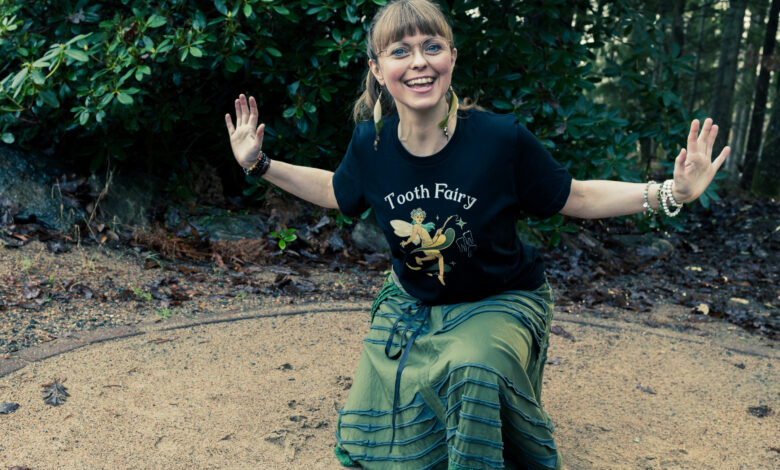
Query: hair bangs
{"points": [[407, 18]]}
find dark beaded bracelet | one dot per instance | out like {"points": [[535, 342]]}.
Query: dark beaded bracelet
{"points": [[260, 166]]}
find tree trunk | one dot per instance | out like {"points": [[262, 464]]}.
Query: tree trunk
{"points": [[766, 182], [738, 142], [699, 47], [759, 105], [678, 34], [746, 89], [726, 75]]}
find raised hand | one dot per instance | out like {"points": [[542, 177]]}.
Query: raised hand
{"points": [[246, 138], [694, 167]]}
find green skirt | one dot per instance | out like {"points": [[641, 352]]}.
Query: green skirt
{"points": [[451, 386]]}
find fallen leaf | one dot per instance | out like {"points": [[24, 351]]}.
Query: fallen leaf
{"points": [[557, 330], [55, 393], [760, 411], [645, 389], [702, 309]]}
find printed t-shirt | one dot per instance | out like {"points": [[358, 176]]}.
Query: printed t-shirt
{"points": [[450, 217]]}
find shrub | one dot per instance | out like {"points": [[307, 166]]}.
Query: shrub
{"points": [[149, 83]]}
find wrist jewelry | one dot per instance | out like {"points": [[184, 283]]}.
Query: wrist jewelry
{"points": [[667, 199], [673, 199], [260, 166], [646, 204]]}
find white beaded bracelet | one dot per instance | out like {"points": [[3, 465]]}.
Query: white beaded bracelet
{"points": [[668, 199], [646, 204], [673, 199]]}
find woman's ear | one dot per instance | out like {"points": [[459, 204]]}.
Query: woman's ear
{"points": [[374, 67], [454, 56]]}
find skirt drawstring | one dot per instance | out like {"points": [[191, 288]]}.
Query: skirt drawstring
{"points": [[403, 350]]}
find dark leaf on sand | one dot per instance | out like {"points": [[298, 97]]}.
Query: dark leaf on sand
{"points": [[55, 393], [31, 292], [281, 281], [557, 330], [304, 286], [125, 294], [6, 408], [645, 389], [760, 411]]}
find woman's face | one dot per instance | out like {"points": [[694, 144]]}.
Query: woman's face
{"points": [[416, 70]]}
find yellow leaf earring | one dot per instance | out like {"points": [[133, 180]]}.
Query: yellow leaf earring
{"points": [[444, 125], [378, 118]]}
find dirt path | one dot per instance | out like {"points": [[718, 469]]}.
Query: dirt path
{"points": [[263, 393]]}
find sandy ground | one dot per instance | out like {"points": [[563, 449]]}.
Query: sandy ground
{"points": [[263, 393]]}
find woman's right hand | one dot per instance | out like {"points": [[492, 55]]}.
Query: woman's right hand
{"points": [[246, 138]]}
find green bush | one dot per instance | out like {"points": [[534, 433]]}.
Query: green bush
{"points": [[148, 84]]}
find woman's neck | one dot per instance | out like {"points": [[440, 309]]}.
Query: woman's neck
{"points": [[419, 131]]}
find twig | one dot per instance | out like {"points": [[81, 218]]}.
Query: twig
{"points": [[103, 193]]}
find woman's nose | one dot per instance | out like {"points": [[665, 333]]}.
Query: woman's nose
{"points": [[418, 58]]}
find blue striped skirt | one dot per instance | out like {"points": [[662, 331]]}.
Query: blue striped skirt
{"points": [[451, 386]]}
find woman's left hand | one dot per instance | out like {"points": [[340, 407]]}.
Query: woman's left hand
{"points": [[694, 167]]}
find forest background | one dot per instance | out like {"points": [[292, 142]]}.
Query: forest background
{"points": [[609, 87]]}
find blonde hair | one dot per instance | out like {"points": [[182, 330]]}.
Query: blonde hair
{"points": [[392, 23]]}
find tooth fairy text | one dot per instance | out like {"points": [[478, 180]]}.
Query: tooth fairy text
{"points": [[439, 191]]}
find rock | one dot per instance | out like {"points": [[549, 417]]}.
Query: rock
{"points": [[233, 227], [30, 180], [369, 237], [7, 408], [129, 197], [646, 245], [335, 242]]}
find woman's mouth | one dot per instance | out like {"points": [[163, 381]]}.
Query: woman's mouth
{"points": [[420, 83]]}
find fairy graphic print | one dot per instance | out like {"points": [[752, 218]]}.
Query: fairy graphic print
{"points": [[430, 246]]}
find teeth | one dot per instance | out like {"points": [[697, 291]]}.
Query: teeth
{"points": [[419, 81]]}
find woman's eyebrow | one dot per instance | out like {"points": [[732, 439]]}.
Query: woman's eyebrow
{"points": [[404, 43]]}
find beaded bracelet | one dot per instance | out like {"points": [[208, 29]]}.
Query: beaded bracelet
{"points": [[673, 199], [260, 166], [646, 204], [666, 198]]}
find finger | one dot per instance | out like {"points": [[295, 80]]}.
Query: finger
{"points": [[694, 133], [238, 112], [229, 123], [679, 161], [711, 139], [705, 131], [721, 158], [244, 110], [252, 111], [260, 134]]}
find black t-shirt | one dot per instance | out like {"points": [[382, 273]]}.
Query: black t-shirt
{"points": [[450, 217]]}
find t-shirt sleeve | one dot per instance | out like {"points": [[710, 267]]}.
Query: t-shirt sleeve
{"points": [[543, 184], [347, 182]]}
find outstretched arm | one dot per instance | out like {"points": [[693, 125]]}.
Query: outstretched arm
{"points": [[246, 140], [693, 172]]}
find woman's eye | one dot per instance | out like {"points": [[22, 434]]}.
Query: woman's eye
{"points": [[398, 52], [433, 48]]}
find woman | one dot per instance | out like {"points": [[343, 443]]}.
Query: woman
{"points": [[450, 373]]}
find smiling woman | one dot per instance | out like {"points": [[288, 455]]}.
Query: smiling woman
{"points": [[450, 374]]}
